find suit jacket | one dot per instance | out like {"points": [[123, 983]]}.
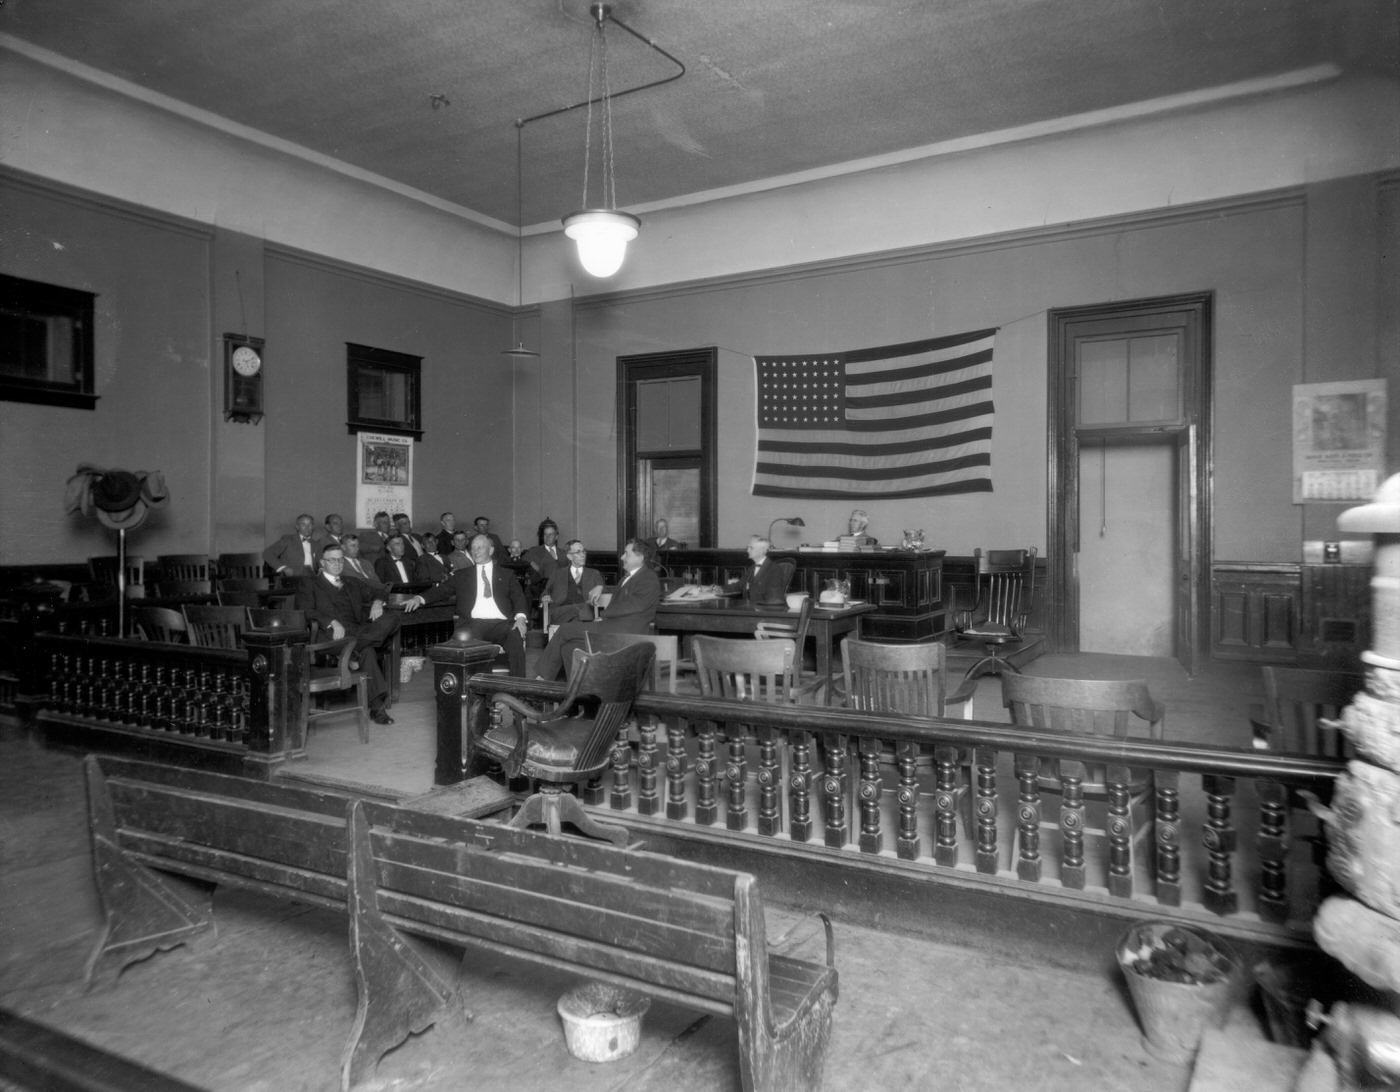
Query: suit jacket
{"points": [[633, 606], [505, 590], [768, 584], [413, 546], [371, 545], [662, 547], [388, 572], [542, 563], [358, 569], [432, 568], [444, 542], [286, 551], [562, 589], [324, 603]]}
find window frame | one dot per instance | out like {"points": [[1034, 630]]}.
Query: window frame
{"points": [[49, 301], [360, 356]]}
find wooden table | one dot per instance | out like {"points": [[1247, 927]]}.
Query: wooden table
{"points": [[737, 616]]}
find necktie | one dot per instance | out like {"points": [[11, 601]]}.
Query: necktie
{"points": [[485, 591]]}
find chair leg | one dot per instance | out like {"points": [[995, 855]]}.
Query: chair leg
{"points": [[362, 707]]}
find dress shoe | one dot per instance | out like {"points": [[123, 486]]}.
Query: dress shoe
{"points": [[381, 717]]}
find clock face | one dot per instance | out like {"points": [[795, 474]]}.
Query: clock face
{"points": [[246, 360]]}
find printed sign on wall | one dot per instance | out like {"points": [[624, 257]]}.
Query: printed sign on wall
{"points": [[383, 476]]}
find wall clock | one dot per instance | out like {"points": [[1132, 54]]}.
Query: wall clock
{"points": [[243, 378]]}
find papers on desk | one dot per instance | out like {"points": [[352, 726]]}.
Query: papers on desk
{"points": [[694, 593]]}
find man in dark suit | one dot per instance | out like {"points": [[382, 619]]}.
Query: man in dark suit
{"points": [[765, 584], [348, 608], [374, 542], [547, 556], [432, 566], [483, 527], [574, 588], [412, 543], [444, 537], [632, 610], [395, 567], [489, 602], [663, 540], [335, 527], [296, 554], [356, 567]]}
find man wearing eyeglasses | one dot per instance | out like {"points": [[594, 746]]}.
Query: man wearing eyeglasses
{"points": [[573, 589], [632, 610], [346, 607]]}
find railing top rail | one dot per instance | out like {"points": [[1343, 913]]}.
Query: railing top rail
{"points": [[134, 647], [932, 731]]}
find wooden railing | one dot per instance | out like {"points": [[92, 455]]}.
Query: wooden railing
{"points": [[229, 711], [1224, 827]]}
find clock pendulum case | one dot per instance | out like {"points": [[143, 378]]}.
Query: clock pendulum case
{"points": [[243, 378]]}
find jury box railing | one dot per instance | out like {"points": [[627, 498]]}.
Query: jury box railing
{"points": [[1219, 835]]}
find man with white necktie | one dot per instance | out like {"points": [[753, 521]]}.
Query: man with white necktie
{"points": [[349, 608], [573, 587], [296, 554], [490, 604]]}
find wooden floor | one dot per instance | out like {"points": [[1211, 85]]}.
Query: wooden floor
{"points": [[267, 1006]]}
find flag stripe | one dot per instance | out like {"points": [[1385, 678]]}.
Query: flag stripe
{"points": [[912, 419]]}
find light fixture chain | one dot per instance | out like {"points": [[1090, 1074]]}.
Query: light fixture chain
{"points": [[609, 175], [588, 117]]}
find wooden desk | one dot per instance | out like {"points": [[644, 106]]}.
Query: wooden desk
{"points": [[736, 616]]}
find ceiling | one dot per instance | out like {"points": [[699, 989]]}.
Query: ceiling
{"points": [[771, 87]]}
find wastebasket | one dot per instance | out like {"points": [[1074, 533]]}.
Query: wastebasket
{"points": [[1182, 981], [602, 1022]]}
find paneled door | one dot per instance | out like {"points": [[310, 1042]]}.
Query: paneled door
{"points": [[1129, 491], [666, 447]]}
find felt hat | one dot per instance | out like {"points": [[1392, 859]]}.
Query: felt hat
{"points": [[116, 496]]}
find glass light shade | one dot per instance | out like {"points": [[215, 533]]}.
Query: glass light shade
{"points": [[602, 236]]}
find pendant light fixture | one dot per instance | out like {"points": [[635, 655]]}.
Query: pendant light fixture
{"points": [[519, 352], [602, 233]]}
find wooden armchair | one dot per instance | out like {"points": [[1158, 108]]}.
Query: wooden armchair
{"points": [[159, 624], [240, 566], [1109, 709], [215, 627], [105, 574], [332, 667], [998, 618], [1300, 705], [571, 743], [184, 567], [795, 631]]}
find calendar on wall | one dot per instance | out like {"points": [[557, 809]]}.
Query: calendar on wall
{"points": [[1338, 440]]}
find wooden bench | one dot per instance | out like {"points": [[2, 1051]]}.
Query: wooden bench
{"points": [[687, 933]]}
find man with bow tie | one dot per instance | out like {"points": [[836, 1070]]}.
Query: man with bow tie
{"points": [[573, 589], [395, 567], [297, 554], [490, 604], [349, 608]]}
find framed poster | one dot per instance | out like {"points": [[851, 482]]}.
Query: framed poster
{"points": [[1338, 440], [384, 475]]}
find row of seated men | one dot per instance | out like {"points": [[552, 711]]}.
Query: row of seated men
{"points": [[491, 604]]}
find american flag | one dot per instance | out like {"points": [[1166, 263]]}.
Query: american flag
{"points": [[909, 420]]}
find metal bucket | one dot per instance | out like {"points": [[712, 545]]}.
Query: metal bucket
{"points": [[602, 1022], [1175, 1015]]}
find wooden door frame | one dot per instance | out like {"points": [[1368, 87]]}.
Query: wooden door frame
{"points": [[1062, 461], [684, 362]]}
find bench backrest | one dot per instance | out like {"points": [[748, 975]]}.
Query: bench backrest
{"points": [[676, 928]]}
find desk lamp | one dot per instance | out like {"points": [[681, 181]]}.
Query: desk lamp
{"points": [[796, 521]]}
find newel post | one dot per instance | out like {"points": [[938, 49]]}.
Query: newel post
{"points": [[276, 699], [454, 662]]}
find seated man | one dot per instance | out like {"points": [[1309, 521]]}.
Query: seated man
{"points": [[296, 554], [765, 584], [483, 527], [546, 557], [663, 540], [460, 556], [856, 528], [348, 608], [335, 527], [412, 542], [632, 610], [490, 603], [356, 568], [573, 587], [395, 566], [432, 566], [444, 536]]}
